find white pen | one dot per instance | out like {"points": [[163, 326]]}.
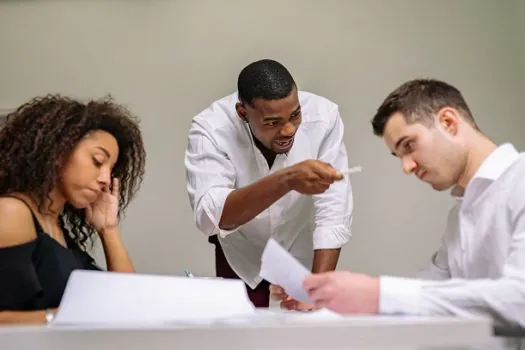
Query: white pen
{"points": [[353, 170]]}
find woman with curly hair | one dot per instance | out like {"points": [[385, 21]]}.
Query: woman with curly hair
{"points": [[67, 172]]}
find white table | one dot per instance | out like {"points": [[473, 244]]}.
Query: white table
{"points": [[266, 333]]}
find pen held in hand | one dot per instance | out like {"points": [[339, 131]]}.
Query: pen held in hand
{"points": [[353, 170]]}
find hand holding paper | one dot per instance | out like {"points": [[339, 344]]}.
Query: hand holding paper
{"points": [[277, 293], [280, 268]]}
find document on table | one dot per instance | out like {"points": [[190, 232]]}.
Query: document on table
{"points": [[110, 298], [279, 267], [276, 317]]}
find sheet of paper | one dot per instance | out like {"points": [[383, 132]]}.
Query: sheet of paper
{"points": [[94, 297], [317, 315], [269, 316], [280, 268]]}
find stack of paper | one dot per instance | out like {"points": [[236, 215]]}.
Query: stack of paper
{"points": [[97, 298], [94, 297]]}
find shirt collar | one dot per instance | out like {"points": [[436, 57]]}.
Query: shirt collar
{"points": [[493, 166], [497, 162], [257, 150]]}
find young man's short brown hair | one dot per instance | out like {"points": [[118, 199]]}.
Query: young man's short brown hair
{"points": [[419, 100]]}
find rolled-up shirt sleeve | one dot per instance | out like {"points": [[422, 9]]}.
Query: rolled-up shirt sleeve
{"points": [[333, 208], [210, 178]]}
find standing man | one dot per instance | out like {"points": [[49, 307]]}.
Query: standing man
{"points": [[265, 162], [480, 267]]}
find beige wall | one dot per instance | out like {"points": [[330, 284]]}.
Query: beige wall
{"points": [[169, 59], [520, 36]]}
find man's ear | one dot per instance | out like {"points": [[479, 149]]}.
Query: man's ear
{"points": [[449, 120], [241, 111]]}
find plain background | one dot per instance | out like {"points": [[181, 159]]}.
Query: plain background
{"points": [[167, 60]]}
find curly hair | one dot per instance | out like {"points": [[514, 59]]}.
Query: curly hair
{"points": [[45, 130]]}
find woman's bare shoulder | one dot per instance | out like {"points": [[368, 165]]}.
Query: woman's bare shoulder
{"points": [[16, 222]]}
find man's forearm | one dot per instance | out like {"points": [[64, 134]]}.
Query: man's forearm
{"points": [[325, 260], [243, 204]]}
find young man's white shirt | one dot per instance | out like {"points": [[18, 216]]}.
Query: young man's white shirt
{"points": [[221, 156], [480, 267]]}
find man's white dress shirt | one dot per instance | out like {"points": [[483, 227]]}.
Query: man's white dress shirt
{"points": [[221, 157], [480, 267]]}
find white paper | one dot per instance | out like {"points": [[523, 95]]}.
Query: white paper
{"points": [[95, 297], [280, 268], [269, 316], [317, 315]]}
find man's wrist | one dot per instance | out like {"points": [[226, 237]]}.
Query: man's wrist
{"points": [[284, 179], [325, 260]]}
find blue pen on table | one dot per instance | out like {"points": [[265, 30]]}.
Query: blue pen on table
{"points": [[188, 273]]}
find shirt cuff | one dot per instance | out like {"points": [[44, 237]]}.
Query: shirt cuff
{"points": [[399, 295], [330, 237], [216, 229], [213, 206], [223, 233]]}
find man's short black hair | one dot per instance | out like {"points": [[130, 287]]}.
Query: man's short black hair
{"points": [[419, 100], [266, 79]]}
